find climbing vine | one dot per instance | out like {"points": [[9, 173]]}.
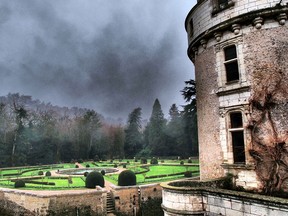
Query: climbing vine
{"points": [[268, 125]]}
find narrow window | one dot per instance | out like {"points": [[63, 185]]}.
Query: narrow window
{"points": [[222, 4], [191, 27], [231, 64], [237, 137]]}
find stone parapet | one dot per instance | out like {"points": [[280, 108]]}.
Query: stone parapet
{"points": [[213, 201]]}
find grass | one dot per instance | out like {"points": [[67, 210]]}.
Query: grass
{"points": [[166, 168]]}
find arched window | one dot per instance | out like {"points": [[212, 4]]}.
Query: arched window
{"points": [[236, 133]]}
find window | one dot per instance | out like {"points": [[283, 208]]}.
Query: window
{"points": [[236, 131], [191, 27], [222, 4], [231, 64]]}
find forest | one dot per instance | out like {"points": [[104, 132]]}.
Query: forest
{"points": [[33, 132]]}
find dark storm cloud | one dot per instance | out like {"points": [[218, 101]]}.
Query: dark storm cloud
{"points": [[112, 55]]}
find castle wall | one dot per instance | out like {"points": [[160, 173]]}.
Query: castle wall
{"points": [[210, 152], [258, 32], [203, 21], [128, 199], [208, 201], [56, 202]]}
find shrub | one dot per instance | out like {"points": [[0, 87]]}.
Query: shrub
{"points": [[48, 173], [128, 162], [126, 178], [96, 158], [188, 174], [115, 166], [135, 159], [40, 172], [87, 165], [124, 165], [181, 162], [143, 161], [103, 172], [94, 178], [154, 161], [86, 174], [76, 166], [19, 183], [80, 160], [189, 161], [162, 161]]}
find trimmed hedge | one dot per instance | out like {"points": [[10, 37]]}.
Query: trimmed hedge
{"points": [[48, 173], [19, 183], [154, 161], [94, 178], [127, 178]]}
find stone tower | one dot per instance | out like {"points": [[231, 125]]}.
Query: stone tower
{"points": [[240, 52]]}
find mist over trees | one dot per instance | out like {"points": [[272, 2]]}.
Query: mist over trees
{"points": [[33, 132]]}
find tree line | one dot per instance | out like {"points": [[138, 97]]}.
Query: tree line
{"points": [[33, 132]]}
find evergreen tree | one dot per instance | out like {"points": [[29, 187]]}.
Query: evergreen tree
{"points": [[133, 135], [156, 135], [190, 116], [175, 133]]}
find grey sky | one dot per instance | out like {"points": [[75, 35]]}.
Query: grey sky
{"points": [[109, 55]]}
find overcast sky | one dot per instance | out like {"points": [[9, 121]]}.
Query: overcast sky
{"points": [[109, 55]]}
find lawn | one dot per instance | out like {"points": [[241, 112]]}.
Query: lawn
{"points": [[145, 173]]}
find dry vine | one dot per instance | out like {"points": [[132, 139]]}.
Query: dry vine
{"points": [[268, 124]]}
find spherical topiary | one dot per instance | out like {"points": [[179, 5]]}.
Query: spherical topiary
{"points": [[76, 166], [48, 173], [103, 172], [143, 161], [189, 161], [19, 183], [86, 174], [181, 162], [115, 165], [188, 174], [94, 178], [154, 161], [124, 166], [126, 178], [40, 172], [87, 165]]}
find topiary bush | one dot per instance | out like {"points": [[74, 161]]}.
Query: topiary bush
{"points": [[126, 178], [115, 165], [189, 161], [143, 161], [94, 178], [86, 174], [87, 165], [48, 173], [188, 174], [154, 161], [124, 166], [76, 166], [19, 183], [40, 172], [103, 172], [181, 162], [96, 158]]}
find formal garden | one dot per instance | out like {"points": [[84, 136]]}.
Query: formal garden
{"points": [[75, 175]]}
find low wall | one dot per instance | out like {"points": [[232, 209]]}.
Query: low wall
{"points": [[128, 199], [209, 201], [72, 202]]}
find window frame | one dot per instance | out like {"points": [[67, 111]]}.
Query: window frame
{"points": [[230, 131], [217, 7], [229, 62]]}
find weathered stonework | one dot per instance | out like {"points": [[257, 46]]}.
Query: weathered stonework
{"points": [[212, 201], [256, 31]]}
